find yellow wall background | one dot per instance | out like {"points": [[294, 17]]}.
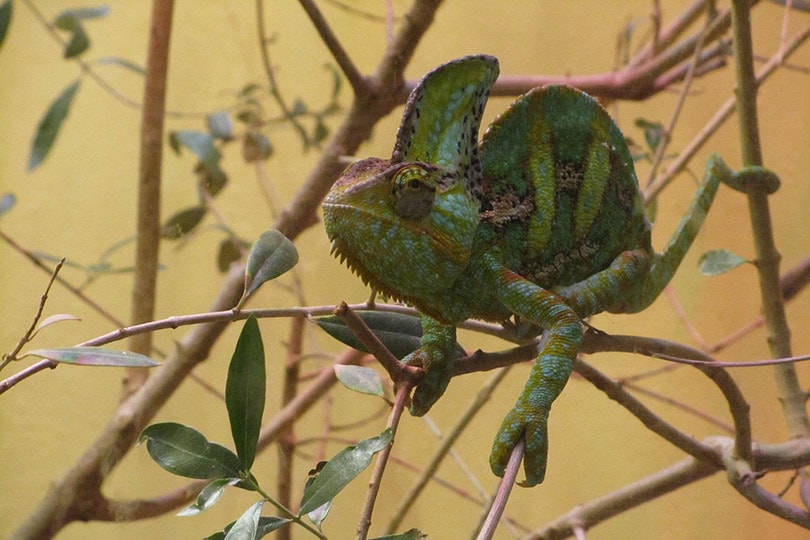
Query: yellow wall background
{"points": [[80, 201]]}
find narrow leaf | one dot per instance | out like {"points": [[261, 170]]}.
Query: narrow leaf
{"points": [[184, 451], [68, 18], [229, 252], [401, 334], [5, 19], [79, 42], [318, 515], [7, 201], [270, 256], [412, 534], [94, 356], [653, 132], [202, 144], [50, 124], [337, 80], [246, 527], [256, 147], [220, 125], [360, 379], [122, 62], [719, 261], [59, 317], [267, 524], [245, 391], [321, 131], [183, 222], [208, 497], [342, 469], [212, 181]]}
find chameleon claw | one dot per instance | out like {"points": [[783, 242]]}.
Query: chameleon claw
{"points": [[532, 426], [432, 386]]}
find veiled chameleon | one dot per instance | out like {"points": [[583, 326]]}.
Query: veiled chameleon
{"points": [[542, 221]]}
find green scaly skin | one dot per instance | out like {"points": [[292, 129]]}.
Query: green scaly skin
{"points": [[542, 221]]}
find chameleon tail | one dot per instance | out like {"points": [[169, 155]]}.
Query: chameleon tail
{"points": [[665, 264]]}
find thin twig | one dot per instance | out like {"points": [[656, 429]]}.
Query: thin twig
{"points": [[594, 512], [432, 466], [399, 372], [270, 73], [26, 337], [287, 438], [353, 75], [504, 489], [403, 396], [723, 113]]}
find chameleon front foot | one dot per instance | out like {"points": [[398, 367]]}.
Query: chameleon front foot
{"points": [[532, 425], [433, 384]]}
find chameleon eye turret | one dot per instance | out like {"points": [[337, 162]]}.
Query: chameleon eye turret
{"points": [[542, 220], [413, 192]]}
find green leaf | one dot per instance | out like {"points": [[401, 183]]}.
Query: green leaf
{"points": [[79, 42], [200, 143], [267, 524], [256, 147], [318, 515], [270, 256], [401, 334], [7, 201], [342, 469], [94, 356], [208, 497], [5, 19], [719, 261], [321, 131], [360, 379], [246, 527], [653, 132], [229, 252], [184, 451], [183, 222], [212, 181], [337, 80], [67, 19], [70, 21], [245, 391], [413, 534], [122, 62], [220, 125], [50, 124], [299, 107]]}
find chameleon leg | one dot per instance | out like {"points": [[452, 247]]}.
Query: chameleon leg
{"points": [[436, 357], [608, 287], [558, 349]]}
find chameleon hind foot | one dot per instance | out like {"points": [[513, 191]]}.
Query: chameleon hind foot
{"points": [[532, 425]]}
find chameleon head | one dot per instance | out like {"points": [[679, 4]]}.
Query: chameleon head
{"points": [[405, 228]]}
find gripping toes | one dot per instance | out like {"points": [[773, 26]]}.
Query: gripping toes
{"points": [[438, 372], [532, 425]]}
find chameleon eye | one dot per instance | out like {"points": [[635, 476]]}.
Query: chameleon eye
{"points": [[413, 194]]}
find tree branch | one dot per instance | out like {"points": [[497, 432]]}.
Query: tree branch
{"points": [[144, 286]]}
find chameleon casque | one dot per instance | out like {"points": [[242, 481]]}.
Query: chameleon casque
{"points": [[542, 221]]}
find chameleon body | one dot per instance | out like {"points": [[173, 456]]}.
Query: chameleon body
{"points": [[542, 221]]}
